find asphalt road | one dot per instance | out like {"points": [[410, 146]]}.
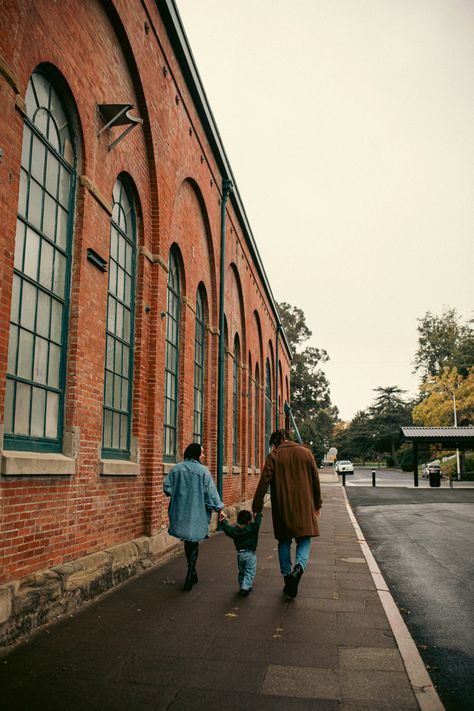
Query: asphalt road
{"points": [[422, 540]]}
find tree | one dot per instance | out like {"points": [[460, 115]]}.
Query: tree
{"points": [[309, 384], [387, 414], [436, 409], [443, 342]]}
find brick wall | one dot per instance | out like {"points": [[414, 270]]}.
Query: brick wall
{"points": [[120, 53]]}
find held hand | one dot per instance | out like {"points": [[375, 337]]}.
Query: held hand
{"points": [[318, 513], [222, 515]]}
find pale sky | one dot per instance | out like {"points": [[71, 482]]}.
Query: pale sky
{"points": [[349, 126]]}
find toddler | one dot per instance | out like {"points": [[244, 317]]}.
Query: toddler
{"points": [[245, 537]]}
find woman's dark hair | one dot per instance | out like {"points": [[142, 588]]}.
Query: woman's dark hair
{"points": [[244, 517], [278, 437], [193, 451]]}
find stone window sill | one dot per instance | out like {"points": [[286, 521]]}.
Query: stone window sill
{"points": [[15, 463], [119, 467]]}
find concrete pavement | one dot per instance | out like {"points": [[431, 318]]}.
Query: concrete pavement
{"points": [[148, 645]]}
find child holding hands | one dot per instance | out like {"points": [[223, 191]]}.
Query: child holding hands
{"points": [[245, 537]]}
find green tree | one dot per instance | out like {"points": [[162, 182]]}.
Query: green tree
{"points": [[361, 436], [388, 413], [309, 384], [443, 342], [310, 394]]}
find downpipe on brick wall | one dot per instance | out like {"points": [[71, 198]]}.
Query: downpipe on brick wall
{"points": [[277, 375], [227, 188]]}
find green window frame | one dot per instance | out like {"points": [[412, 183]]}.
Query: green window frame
{"points": [[118, 371], [36, 371], [257, 417], [235, 403], [199, 354], [172, 358], [249, 413], [268, 406]]}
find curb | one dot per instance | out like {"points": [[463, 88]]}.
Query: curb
{"points": [[423, 688]]}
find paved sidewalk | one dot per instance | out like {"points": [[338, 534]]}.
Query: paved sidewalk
{"points": [[148, 645]]}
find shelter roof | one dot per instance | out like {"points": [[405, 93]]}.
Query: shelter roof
{"points": [[460, 437]]}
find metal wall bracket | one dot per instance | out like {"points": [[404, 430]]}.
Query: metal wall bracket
{"points": [[117, 115], [96, 259]]}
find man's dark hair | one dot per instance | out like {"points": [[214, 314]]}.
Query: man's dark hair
{"points": [[244, 517], [193, 451], [278, 437]]}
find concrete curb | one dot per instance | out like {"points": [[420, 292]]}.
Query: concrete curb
{"points": [[423, 688]]}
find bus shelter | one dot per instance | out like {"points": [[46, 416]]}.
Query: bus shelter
{"points": [[448, 437]]}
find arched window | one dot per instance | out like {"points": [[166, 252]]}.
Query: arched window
{"points": [[172, 358], [268, 406], [249, 414], [34, 400], [257, 417], [226, 385], [120, 326], [199, 351], [235, 403]]}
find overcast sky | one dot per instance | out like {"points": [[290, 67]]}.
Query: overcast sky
{"points": [[349, 126]]}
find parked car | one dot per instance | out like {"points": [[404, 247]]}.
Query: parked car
{"points": [[430, 469], [344, 465]]}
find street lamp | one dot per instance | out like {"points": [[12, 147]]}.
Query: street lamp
{"points": [[458, 467]]}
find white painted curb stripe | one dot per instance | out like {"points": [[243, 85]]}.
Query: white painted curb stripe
{"points": [[425, 693]]}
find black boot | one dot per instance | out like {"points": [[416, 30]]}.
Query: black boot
{"points": [[191, 550], [293, 581], [286, 579]]}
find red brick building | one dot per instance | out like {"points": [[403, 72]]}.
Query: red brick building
{"points": [[112, 211]]}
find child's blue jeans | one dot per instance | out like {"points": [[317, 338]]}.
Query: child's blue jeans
{"points": [[303, 546], [247, 562]]}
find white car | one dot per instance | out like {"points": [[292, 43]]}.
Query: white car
{"points": [[344, 465]]}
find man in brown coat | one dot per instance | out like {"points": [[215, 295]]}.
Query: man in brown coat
{"points": [[295, 493]]}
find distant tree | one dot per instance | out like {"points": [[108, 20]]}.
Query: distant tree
{"points": [[341, 440], [318, 431], [443, 342], [309, 385], [388, 413], [436, 409], [361, 436]]}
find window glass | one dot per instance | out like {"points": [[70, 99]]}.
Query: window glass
{"points": [[235, 402], [118, 375], [171, 357], [199, 347], [39, 305]]}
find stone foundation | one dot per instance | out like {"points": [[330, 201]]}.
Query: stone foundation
{"points": [[34, 600]]}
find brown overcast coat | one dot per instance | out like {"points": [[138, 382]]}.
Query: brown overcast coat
{"points": [[295, 490]]}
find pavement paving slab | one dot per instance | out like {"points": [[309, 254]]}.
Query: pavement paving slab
{"points": [[149, 645]]}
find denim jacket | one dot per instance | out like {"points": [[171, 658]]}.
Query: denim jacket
{"points": [[193, 498]]}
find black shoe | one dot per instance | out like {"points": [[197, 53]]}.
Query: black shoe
{"points": [[293, 581], [243, 592]]}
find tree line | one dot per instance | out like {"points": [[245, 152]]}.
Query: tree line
{"points": [[444, 360]]}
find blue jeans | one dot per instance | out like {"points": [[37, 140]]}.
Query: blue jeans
{"points": [[303, 546], [247, 562]]}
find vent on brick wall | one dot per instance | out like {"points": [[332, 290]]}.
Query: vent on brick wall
{"points": [[117, 115]]}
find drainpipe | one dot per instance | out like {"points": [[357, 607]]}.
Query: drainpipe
{"points": [[277, 377], [289, 412], [226, 191]]}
